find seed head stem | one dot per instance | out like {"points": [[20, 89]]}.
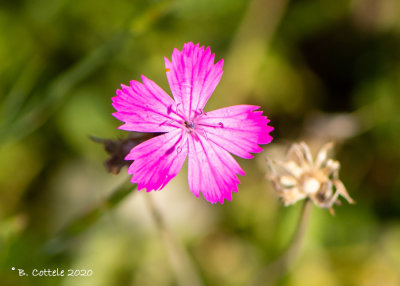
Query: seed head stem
{"points": [[275, 270]]}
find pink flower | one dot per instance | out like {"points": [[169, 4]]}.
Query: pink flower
{"points": [[207, 138]]}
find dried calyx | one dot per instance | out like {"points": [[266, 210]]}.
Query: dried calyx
{"points": [[119, 148]]}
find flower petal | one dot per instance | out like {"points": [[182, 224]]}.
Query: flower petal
{"points": [[145, 107], [192, 76], [158, 160], [322, 155], [212, 170], [237, 129]]}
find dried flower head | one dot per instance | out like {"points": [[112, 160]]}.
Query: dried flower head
{"points": [[302, 177]]}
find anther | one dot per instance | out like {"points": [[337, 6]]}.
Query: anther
{"points": [[189, 124]]}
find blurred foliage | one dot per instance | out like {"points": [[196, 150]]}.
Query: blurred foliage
{"points": [[321, 70]]}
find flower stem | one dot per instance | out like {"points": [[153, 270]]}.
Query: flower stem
{"points": [[57, 243], [274, 271], [181, 262]]}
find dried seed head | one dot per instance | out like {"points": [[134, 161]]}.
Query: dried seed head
{"points": [[302, 177]]}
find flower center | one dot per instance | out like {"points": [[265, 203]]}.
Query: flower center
{"points": [[189, 124], [311, 185]]}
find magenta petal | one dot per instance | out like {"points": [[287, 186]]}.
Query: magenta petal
{"points": [[208, 138], [192, 76], [237, 129], [145, 107], [157, 160], [212, 170]]}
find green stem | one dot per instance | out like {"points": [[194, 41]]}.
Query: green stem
{"points": [[181, 262], [30, 118], [274, 271], [84, 221]]}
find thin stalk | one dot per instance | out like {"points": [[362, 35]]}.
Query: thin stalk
{"points": [[248, 48], [87, 219], [274, 271], [182, 265], [30, 118]]}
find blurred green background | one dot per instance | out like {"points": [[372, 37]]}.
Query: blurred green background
{"points": [[321, 70]]}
